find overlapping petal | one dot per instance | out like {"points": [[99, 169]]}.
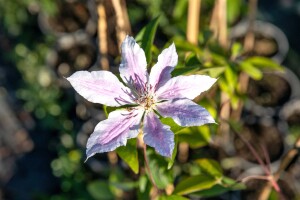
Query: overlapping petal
{"points": [[100, 87], [133, 68], [158, 135], [161, 71], [184, 87], [111, 133], [185, 112]]}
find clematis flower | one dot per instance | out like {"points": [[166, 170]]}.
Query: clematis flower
{"points": [[145, 95]]}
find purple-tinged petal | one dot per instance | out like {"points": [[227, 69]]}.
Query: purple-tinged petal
{"points": [[158, 135], [114, 132], [184, 87], [101, 87], [133, 68], [185, 112], [161, 71]]}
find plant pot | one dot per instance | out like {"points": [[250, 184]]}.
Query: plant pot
{"points": [[270, 41], [262, 132], [269, 94]]}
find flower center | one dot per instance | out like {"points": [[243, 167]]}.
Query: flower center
{"points": [[146, 101]]}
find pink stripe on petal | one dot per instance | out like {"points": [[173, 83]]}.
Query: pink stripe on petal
{"points": [[158, 135], [114, 132], [101, 87], [161, 71], [184, 87], [185, 112], [133, 68]]}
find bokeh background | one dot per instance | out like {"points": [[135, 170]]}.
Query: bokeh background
{"points": [[44, 124]]}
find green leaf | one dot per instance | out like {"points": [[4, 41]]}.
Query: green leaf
{"points": [[172, 197], [196, 137], [236, 50], [264, 63], [157, 164], [185, 70], [232, 184], [210, 167], [175, 128], [171, 160], [233, 10], [130, 155], [252, 71], [226, 184], [182, 45], [180, 9], [194, 184], [213, 72], [146, 37], [211, 192], [100, 190], [108, 109], [231, 77]]}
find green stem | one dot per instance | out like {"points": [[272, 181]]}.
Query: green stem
{"points": [[148, 168]]}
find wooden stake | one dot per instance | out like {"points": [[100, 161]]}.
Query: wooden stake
{"points": [[102, 36]]}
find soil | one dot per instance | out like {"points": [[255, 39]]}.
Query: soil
{"points": [[263, 46], [272, 90]]}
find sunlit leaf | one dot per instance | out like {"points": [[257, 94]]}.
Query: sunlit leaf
{"points": [[196, 137], [194, 184], [146, 37], [219, 189], [233, 10], [264, 63], [231, 77], [252, 71], [232, 184], [129, 154], [210, 167], [175, 128], [236, 49], [182, 45]]}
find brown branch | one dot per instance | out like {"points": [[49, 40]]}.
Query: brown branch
{"points": [[284, 164]]}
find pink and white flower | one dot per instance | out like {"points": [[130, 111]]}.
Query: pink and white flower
{"points": [[145, 95]]}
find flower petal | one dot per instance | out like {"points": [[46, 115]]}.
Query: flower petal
{"points": [[185, 87], [161, 71], [114, 132], [133, 68], [185, 112], [100, 87], [157, 135]]}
